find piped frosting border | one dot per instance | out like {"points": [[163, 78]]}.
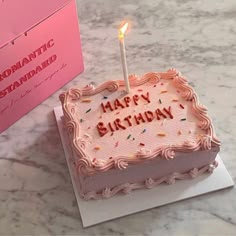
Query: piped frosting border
{"points": [[87, 167], [150, 183]]}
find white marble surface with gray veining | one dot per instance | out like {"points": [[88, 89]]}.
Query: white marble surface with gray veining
{"points": [[196, 37]]}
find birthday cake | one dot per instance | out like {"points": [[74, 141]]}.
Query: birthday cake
{"points": [[158, 133]]}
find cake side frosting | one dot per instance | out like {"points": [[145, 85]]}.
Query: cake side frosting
{"points": [[86, 163], [150, 183]]}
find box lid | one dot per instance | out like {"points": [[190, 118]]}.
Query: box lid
{"points": [[17, 17]]}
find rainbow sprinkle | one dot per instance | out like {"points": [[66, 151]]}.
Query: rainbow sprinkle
{"points": [[97, 148], [81, 120], [88, 110], [164, 91], [161, 134], [181, 106], [175, 100], [160, 101], [116, 144], [179, 132], [129, 136], [144, 131], [141, 144], [112, 134], [105, 97], [86, 100], [183, 119]]}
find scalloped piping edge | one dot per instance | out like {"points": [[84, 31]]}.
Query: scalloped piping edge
{"points": [[85, 165], [149, 183]]}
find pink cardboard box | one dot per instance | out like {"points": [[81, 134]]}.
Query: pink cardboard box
{"points": [[40, 51]]}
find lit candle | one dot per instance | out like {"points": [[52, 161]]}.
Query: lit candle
{"points": [[122, 31]]}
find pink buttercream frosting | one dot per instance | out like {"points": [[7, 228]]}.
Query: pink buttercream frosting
{"points": [[150, 183], [190, 129]]}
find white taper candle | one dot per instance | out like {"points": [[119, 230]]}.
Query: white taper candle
{"points": [[124, 64], [122, 31]]}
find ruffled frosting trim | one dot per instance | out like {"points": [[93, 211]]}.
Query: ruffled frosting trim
{"points": [[149, 183], [84, 163]]}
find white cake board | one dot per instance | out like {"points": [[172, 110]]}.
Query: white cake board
{"points": [[96, 211]]}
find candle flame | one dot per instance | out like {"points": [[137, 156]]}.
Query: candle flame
{"points": [[123, 30]]}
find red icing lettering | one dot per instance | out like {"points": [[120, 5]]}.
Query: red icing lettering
{"points": [[146, 97], [160, 113], [108, 105], [118, 104], [136, 98], [102, 130], [149, 116], [139, 118], [127, 118], [118, 124], [111, 128], [130, 120], [103, 107], [168, 111], [127, 101]]}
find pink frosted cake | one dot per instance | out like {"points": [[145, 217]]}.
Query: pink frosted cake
{"points": [[158, 133]]}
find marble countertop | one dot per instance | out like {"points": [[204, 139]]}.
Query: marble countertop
{"points": [[197, 38]]}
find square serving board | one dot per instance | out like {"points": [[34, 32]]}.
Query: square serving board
{"points": [[97, 211]]}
